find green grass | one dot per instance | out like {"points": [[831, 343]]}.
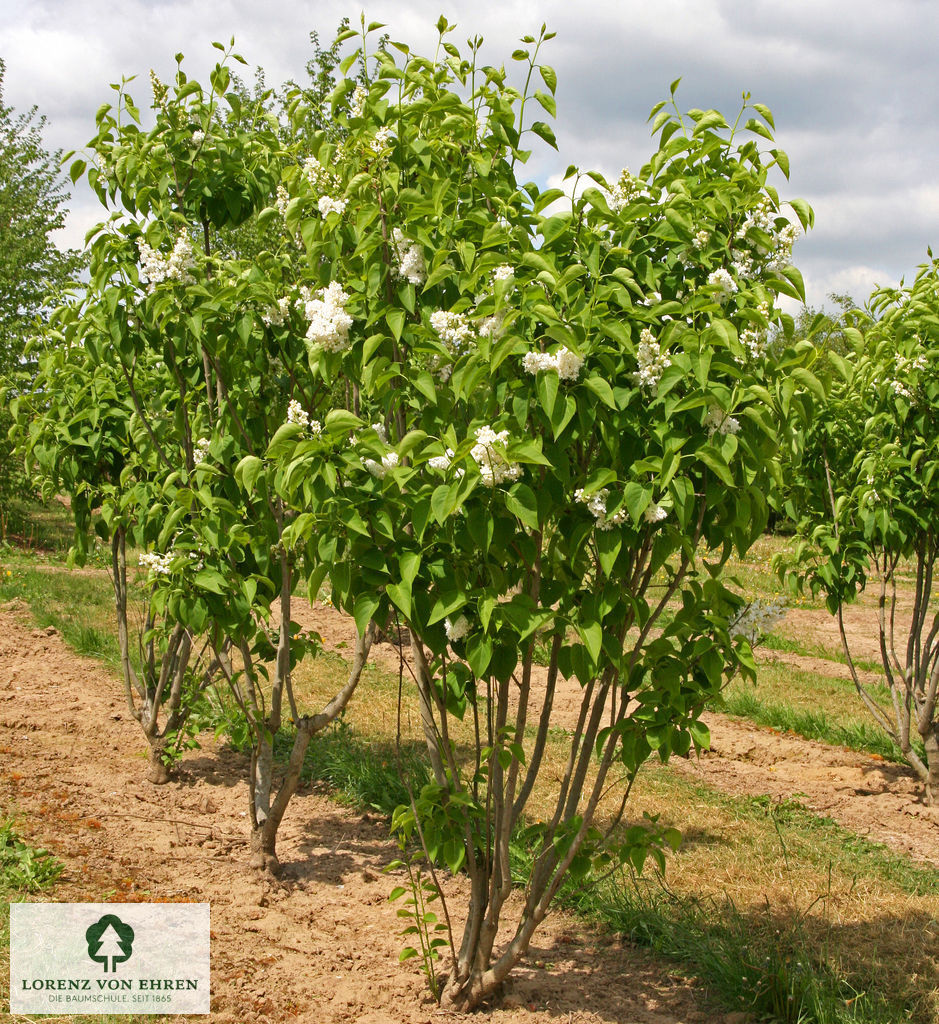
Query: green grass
{"points": [[813, 725], [23, 868], [788, 645], [761, 965], [79, 603], [35, 526]]}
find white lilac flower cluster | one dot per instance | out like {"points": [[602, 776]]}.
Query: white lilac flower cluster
{"points": [[442, 462], [453, 329], [326, 184], [725, 284], [298, 415], [719, 422], [757, 619], [489, 455], [320, 179], [282, 200], [754, 341], [564, 363], [159, 268], [626, 189], [326, 206], [652, 362], [198, 137], [382, 138], [276, 315], [379, 469], [160, 90], [200, 451], [596, 505], [503, 273], [492, 326], [155, 563], [701, 239], [326, 314], [655, 514], [409, 257], [775, 256], [457, 629], [357, 103]]}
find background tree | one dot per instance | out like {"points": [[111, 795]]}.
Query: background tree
{"points": [[869, 508], [33, 268]]}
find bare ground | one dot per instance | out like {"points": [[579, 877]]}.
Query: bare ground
{"points": [[321, 944]]}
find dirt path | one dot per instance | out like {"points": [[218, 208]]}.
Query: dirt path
{"points": [[319, 946]]}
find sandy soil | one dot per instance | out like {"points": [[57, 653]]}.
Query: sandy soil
{"points": [[321, 944]]}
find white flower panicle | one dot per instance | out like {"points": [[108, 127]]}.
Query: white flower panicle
{"points": [[725, 284], [655, 514], [489, 455], [719, 422], [596, 505], [282, 200], [296, 414], [441, 462], [326, 206], [158, 268], [329, 322], [457, 629], [379, 469], [754, 341], [453, 329], [200, 451], [155, 563], [276, 315], [626, 189], [357, 103], [774, 255], [382, 138], [701, 239], [410, 258], [379, 429], [564, 363], [652, 362], [503, 273], [160, 90], [758, 618], [320, 180], [198, 137]]}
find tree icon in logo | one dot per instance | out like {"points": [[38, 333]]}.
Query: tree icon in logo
{"points": [[109, 939]]}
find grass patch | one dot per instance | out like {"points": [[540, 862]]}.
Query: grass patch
{"points": [[759, 964], [813, 725], [79, 603]]}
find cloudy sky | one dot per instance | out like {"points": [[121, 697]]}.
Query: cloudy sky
{"points": [[851, 83]]}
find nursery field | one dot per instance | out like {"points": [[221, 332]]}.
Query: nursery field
{"points": [[805, 886]]}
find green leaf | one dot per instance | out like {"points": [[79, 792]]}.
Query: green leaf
{"points": [[549, 77], [341, 421], [395, 319], [400, 595], [247, 472], [364, 610], [548, 102], [601, 389], [520, 500]]}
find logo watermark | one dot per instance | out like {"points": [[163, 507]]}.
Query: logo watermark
{"points": [[109, 958]]}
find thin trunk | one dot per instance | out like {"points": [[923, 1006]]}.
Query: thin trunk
{"points": [[931, 742]]}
